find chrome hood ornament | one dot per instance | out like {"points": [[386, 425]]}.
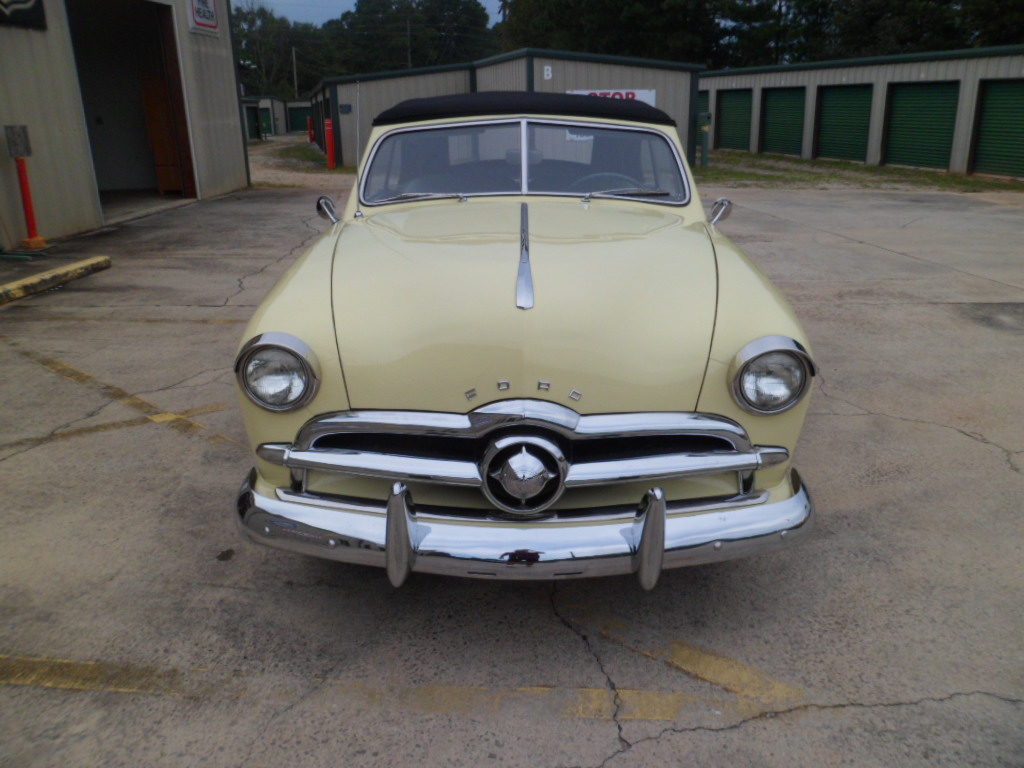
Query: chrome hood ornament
{"points": [[524, 280]]}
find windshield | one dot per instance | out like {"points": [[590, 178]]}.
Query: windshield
{"points": [[578, 159]]}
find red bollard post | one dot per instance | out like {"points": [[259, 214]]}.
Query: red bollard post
{"points": [[329, 141], [309, 128], [33, 242]]}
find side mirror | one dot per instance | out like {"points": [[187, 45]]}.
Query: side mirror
{"points": [[325, 208], [720, 210]]}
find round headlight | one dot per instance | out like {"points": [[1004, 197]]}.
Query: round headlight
{"points": [[772, 380], [278, 376]]}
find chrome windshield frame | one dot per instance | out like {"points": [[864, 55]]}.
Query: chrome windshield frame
{"points": [[524, 124]]}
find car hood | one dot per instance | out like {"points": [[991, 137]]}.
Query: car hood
{"points": [[425, 312]]}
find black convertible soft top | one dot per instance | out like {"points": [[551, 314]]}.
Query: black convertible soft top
{"points": [[521, 103]]}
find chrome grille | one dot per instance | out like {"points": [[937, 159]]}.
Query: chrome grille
{"points": [[581, 450]]}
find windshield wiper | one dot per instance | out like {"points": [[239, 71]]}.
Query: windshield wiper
{"points": [[419, 196], [627, 192]]}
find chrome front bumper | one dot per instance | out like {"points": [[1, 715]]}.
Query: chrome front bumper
{"points": [[644, 540]]}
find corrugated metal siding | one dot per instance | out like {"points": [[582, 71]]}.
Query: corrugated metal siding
{"points": [[844, 119], [61, 172], [505, 76], [922, 117], [1000, 143], [215, 123], [783, 119], [378, 95], [733, 123]]}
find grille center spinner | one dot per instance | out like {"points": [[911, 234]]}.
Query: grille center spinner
{"points": [[523, 474]]}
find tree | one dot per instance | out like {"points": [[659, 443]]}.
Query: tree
{"points": [[263, 51], [678, 30]]}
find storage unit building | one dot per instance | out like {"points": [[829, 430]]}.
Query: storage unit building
{"points": [[352, 102], [119, 97], [955, 110]]}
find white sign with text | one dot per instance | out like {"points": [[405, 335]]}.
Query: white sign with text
{"points": [[629, 94]]}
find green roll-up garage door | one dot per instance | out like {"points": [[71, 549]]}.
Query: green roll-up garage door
{"points": [[266, 122], [252, 122], [734, 119], [999, 147], [921, 120], [783, 120], [844, 118], [297, 117]]}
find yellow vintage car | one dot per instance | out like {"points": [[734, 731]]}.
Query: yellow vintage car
{"points": [[523, 351]]}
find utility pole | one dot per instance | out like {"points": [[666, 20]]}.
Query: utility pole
{"points": [[408, 40], [295, 73]]}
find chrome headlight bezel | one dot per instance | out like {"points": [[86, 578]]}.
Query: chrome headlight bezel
{"points": [[305, 358], [756, 350]]}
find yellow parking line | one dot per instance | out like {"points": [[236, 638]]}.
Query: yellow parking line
{"points": [[88, 676], [726, 673], [564, 702], [177, 421]]}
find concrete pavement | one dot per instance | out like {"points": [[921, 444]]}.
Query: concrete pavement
{"points": [[139, 629]]}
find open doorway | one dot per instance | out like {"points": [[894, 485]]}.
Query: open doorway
{"points": [[127, 60]]}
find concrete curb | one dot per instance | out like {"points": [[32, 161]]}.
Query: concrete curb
{"points": [[19, 289]]}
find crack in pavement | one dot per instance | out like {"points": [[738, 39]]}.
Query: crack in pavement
{"points": [[180, 422], [624, 744], [1008, 454], [810, 707], [301, 246]]}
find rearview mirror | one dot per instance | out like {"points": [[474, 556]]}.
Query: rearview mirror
{"points": [[325, 207]]}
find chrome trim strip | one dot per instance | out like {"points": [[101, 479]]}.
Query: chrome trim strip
{"points": [[357, 533], [464, 473], [524, 279], [593, 516], [505, 413], [661, 467], [365, 464]]}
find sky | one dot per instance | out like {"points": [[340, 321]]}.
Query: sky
{"points": [[319, 11]]}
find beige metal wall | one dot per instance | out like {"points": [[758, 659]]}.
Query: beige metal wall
{"points": [[39, 89], [371, 98], [505, 76], [211, 96], [969, 72], [672, 87]]}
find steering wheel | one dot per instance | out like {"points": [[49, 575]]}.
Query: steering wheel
{"points": [[604, 180]]}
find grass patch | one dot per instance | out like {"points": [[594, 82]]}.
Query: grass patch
{"points": [[741, 169], [303, 156]]}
